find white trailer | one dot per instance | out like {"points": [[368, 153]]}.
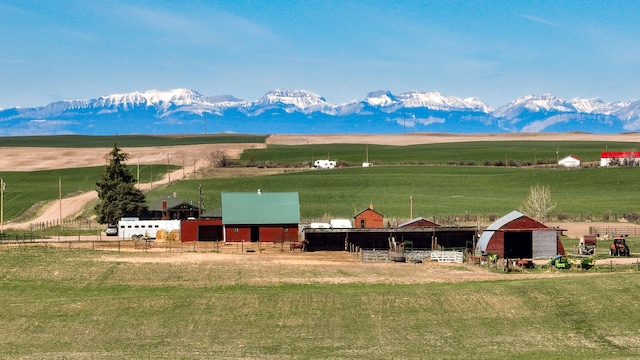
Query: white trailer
{"points": [[129, 227], [341, 224], [324, 164]]}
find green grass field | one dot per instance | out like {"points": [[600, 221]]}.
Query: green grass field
{"points": [[460, 153], [64, 303], [61, 304], [26, 189], [82, 141], [436, 190]]}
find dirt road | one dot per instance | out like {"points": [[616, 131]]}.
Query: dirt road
{"points": [[191, 158]]}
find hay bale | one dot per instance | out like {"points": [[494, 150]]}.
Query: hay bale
{"points": [[162, 235], [174, 235]]}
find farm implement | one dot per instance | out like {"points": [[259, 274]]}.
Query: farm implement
{"points": [[579, 262], [619, 246], [560, 262]]}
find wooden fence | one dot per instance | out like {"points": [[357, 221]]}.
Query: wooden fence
{"points": [[110, 244], [614, 230]]}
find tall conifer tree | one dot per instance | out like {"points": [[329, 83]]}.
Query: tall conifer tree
{"points": [[117, 193]]}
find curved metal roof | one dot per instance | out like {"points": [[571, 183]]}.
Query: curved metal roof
{"points": [[481, 246]]}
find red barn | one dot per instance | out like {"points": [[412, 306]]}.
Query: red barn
{"points": [[266, 217], [369, 219], [201, 230], [625, 158], [516, 235]]}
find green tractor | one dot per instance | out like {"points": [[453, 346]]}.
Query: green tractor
{"points": [[560, 262]]}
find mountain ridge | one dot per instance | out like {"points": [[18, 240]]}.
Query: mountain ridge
{"points": [[281, 111]]}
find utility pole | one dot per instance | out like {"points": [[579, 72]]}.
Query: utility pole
{"points": [[60, 197], [411, 207], [199, 201], [2, 206]]}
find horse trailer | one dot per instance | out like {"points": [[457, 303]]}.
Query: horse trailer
{"points": [[130, 227]]}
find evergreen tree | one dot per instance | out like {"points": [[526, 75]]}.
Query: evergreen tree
{"points": [[117, 193]]}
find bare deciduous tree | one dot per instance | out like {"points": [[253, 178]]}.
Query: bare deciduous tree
{"points": [[218, 158], [538, 205]]}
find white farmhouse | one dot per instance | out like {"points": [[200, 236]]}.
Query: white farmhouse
{"points": [[570, 161]]}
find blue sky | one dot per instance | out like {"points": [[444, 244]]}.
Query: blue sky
{"points": [[495, 50]]}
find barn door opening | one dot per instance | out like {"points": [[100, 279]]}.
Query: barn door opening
{"points": [[255, 233], [518, 245], [209, 233]]}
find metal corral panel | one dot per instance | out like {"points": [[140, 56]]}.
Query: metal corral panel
{"points": [[260, 208], [545, 243]]}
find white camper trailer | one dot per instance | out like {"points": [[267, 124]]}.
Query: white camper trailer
{"points": [[341, 224], [324, 164]]}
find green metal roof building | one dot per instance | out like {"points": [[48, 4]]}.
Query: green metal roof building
{"points": [[260, 208], [259, 216]]}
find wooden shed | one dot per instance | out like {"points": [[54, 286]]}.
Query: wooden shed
{"points": [[369, 219], [418, 222], [570, 161], [260, 216], [422, 238], [209, 229], [516, 235]]}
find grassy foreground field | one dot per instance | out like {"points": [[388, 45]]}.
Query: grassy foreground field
{"points": [[86, 305]]}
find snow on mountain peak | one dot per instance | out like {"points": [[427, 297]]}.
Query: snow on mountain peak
{"points": [[302, 100], [436, 101], [160, 98], [380, 98], [597, 106], [533, 103], [432, 100], [535, 113]]}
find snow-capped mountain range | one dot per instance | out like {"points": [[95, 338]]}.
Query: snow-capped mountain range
{"points": [[184, 111]]}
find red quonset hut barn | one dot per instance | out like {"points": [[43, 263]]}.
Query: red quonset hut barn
{"points": [[265, 217], [369, 219], [516, 235]]}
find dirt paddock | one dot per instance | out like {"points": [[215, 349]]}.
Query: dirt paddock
{"points": [[274, 263]]}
